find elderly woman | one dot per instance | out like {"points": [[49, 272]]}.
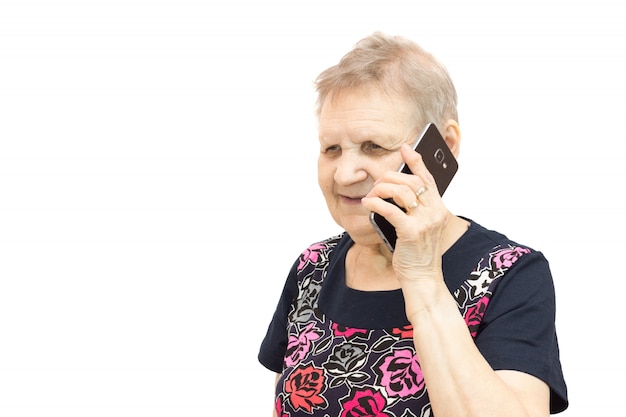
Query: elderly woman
{"points": [[458, 320]]}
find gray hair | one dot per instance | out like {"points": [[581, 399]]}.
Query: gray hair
{"points": [[397, 66]]}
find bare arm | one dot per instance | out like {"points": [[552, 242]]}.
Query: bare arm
{"points": [[460, 381], [274, 407]]}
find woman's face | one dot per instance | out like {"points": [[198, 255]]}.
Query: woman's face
{"points": [[360, 134]]}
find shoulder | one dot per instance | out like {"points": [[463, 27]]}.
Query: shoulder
{"points": [[501, 253], [325, 245], [480, 241], [319, 252], [481, 248], [495, 256]]}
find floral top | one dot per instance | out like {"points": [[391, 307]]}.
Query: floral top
{"points": [[363, 366]]}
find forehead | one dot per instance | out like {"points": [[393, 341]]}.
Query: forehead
{"points": [[366, 110]]}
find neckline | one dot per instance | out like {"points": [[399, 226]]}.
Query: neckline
{"points": [[379, 309]]}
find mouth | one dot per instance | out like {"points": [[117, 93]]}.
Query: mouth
{"points": [[351, 200]]}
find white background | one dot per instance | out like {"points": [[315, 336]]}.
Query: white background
{"points": [[157, 180]]}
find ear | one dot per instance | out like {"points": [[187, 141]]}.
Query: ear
{"points": [[452, 136]]}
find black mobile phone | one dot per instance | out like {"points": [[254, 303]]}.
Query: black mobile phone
{"points": [[441, 163]]}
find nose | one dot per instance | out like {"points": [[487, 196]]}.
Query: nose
{"points": [[350, 169]]}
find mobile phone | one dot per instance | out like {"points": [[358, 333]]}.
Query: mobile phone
{"points": [[441, 163]]}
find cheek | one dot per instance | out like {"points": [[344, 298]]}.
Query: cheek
{"points": [[391, 163], [325, 175]]}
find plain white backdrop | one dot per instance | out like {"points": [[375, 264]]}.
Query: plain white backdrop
{"points": [[157, 181]]}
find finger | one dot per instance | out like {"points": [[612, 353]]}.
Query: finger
{"points": [[423, 195], [416, 163], [401, 194]]}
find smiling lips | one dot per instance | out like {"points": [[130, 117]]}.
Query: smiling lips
{"points": [[351, 200]]}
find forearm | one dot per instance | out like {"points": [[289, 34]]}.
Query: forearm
{"points": [[460, 381], [274, 414]]}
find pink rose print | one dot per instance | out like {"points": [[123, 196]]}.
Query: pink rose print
{"points": [[347, 332], [400, 374], [475, 314], [507, 257], [311, 253], [304, 386], [298, 347], [364, 403]]}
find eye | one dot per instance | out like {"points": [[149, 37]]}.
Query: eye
{"points": [[332, 150], [372, 147]]}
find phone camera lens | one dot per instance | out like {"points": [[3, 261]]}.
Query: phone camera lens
{"points": [[439, 155]]}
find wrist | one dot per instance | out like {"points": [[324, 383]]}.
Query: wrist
{"points": [[427, 299]]}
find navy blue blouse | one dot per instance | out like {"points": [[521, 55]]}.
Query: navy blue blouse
{"points": [[344, 352]]}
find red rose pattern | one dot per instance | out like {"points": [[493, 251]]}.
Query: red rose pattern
{"points": [[334, 370], [365, 403], [304, 386]]}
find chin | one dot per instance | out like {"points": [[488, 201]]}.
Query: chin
{"points": [[362, 232], [371, 239]]}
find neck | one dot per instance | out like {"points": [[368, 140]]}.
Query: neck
{"points": [[454, 228], [370, 267]]}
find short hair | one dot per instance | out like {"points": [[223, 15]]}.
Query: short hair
{"points": [[396, 65]]}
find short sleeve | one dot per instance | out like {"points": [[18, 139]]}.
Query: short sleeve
{"points": [[274, 344], [518, 330]]}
